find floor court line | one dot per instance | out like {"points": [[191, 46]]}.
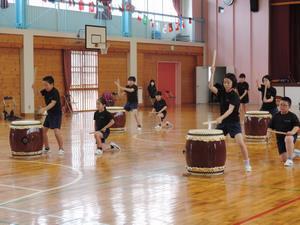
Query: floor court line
{"points": [[30, 212], [19, 187], [79, 177], [266, 212]]}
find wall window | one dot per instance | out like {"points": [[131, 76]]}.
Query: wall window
{"points": [[158, 6], [151, 6], [76, 7], [84, 86]]}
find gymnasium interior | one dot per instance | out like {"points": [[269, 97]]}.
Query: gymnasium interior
{"points": [[90, 47]]}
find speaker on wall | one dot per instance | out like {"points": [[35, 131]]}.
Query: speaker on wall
{"points": [[254, 5]]}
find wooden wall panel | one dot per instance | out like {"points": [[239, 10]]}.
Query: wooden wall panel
{"points": [[11, 41], [42, 42], [46, 62], [10, 77], [111, 67]]}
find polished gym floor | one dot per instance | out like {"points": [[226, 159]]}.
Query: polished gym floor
{"points": [[144, 182]]}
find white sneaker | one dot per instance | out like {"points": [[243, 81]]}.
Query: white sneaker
{"points": [[158, 127], [139, 127], [98, 152], [114, 146], [61, 152], [248, 168], [289, 163]]}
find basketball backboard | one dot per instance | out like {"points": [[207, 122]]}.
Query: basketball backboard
{"points": [[95, 37]]}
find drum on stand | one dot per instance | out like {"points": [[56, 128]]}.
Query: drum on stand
{"points": [[256, 125], [119, 116], [26, 138], [205, 152]]}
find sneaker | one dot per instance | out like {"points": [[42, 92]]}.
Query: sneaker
{"points": [[98, 152], [289, 163], [158, 127], [46, 150], [248, 168], [61, 152], [114, 146], [139, 127]]}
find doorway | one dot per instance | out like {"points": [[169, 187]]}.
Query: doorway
{"points": [[169, 82]]}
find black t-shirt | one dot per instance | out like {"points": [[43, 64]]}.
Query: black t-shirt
{"points": [[52, 95], [158, 105], [271, 92], [132, 97], [284, 122], [226, 99], [102, 119], [242, 87], [152, 91]]}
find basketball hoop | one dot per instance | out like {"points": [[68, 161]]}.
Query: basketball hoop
{"points": [[104, 49]]}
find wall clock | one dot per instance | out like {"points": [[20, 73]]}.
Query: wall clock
{"points": [[228, 2]]}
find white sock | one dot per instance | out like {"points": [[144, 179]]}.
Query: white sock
{"points": [[247, 162]]}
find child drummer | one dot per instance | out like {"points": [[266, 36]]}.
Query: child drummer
{"points": [[287, 122], [103, 121], [229, 121], [160, 110]]}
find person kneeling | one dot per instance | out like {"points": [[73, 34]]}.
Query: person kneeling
{"points": [[160, 110], [287, 122], [103, 121]]}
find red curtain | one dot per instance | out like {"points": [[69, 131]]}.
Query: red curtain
{"points": [[67, 79], [177, 6]]}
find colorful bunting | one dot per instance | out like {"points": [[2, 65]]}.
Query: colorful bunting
{"points": [[170, 27], [145, 19]]}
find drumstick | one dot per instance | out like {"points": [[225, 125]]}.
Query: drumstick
{"points": [[214, 59], [93, 132], [265, 93], [210, 122], [277, 132], [119, 91]]}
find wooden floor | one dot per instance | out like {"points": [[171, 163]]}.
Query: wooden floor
{"points": [[143, 184]]}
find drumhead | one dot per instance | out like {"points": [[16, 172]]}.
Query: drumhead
{"points": [[205, 135], [115, 109], [26, 123], [205, 132], [257, 113]]}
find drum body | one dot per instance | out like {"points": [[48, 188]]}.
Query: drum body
{"points": [[256, 124], [26, 138], [119, 116], [205, 152]]}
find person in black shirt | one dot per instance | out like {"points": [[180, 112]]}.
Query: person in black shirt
{"points": [[160, 110], [131, 91], [268, 95], [152, 91], [54, 113], [243, 89], [287, 122], [103, 121], [229, 121]]}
